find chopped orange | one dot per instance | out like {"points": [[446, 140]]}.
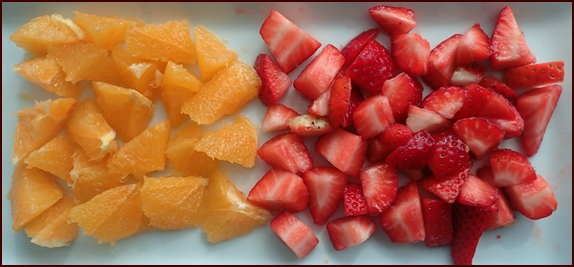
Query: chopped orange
{"points": [[51, 229], [33, 191], [183, 157], [226, 213], [227, 92], [126, 110], [40, 124], [144, 153], [172, 203], [145, 76], [46, 73], [163, 42], [112, 215], [177, 86], [105, 32], [212, 53], [144, 225], [54, 157], [36, 35], [88, 128], [236, 143]]}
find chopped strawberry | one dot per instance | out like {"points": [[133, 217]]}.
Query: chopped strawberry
{"points": [[289, 44], [339, 102], [380, 183], [447, 188], [326, 186], [480, 135], [294, 233], [277, 118], [375, 149], [469, 222], [478, 192], [416, 174], [467, 74], [403, 221], [320, 106], [348, 232], [445, 101], [373, 116], [507, 43], [535, 75], [473, 46], [274, 82], [278, 190], [476, 98], [504, 216], [510, 168], [403, 91], [354, 200], [421, 119], [498, 86], [346, 151], [317, 77], [437, 218], [536, 108], [286, 152], [394, 137], [415, 154], [310, 125], [411, 52], [534, 199], [393, 20], [450, 156], [356, 45], [442, 62], [372, 67], [356, 99], [499, 111]]}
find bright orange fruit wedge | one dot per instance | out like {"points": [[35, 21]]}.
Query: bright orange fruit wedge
{"points": [[46, 73], [183, 157], [177, 86], [54, 157], [103, 31], [51, 229], [144, 76], [212, 53]]}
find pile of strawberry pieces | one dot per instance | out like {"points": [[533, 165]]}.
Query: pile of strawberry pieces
{"points": [[369, 120]]}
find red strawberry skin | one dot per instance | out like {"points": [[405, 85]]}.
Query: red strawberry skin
{"points": [[403, 221], [411, 52], [450, 156], [294, 233], [345, 150], [509, 167], [354, 200], [310, 125], [393, 20], [535, 75], [445, 101], [373, 116], [474, 46], [507, 43], [535, 199], [415, 154], [476, 98], [274, 82], [352, 49], [402, 91], [286, 152], [499, 111], [380, 184], [447, 188], [340, 101], [348, 232], [394, 137], [480, 135], [325, 186], [277, 118], [317, 77], [469, 222], [478, 192], [278, 190], [504, 216], [437, 217], [372, 67], [442, 62], [498, 86]]}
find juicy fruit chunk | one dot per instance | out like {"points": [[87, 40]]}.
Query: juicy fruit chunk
{"points": [[372, 67], [177, 85], [51, 228], [498, 86], [316, 78], [535, 199], [294, 233], [402, 91], [467, 74], [468, 225], [183, 157], [352, 49], [46, 73], [480, 135], [277, 118], [139, 74], [393, 20], [403, 221], [478, 192], [373, 116], [535, 75], [499, 111], [340, 101], [326, 187], [473, 46], [54, 157], [286, 152], [38, 33], [380, 184], [437, 217], [415, 154], [212, 54], [274, 82], [507, 43], [504, 216], [354, 200], [350, 231], [280, 190], [510, 168], [394, 137], [411, 52], [91, 177], [345, 150], [103, 31], [445, 101], [450, 156], [442, 62], [309, 125], [422, 119]]}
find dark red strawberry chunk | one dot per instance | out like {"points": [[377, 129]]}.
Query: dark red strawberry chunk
{"points": [[346, 151], [473, 46], [274, 82], [403, 221], [339, 102], [277, 118], [354, 200], [468, 74], [380, 183], [469, 222], [509, 167], [394, 137], [310, 125], [422, 119], [507, 43], [480, 135], [317, 77], [411, 52], [326, 186], [372, 67], [375, 149], [373, 116], [475, 99], [294, 233], [415, 154], [498, 86], [450, 156], [447, 188], [445, 101], [286, 152], [437, 217], [534, 199], [348, 232], [393, 20], [278, 190], [478, 192], [352, 49], [535, 75], [403, 91], [442, 62]]}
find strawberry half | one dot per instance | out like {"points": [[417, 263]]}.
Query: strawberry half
{"points": [[498, 86], [352, 49], [277, 118], [394, 137], [510, 168], [310, 125], [535, 75], [437, 218], [294, 233], [473, 46], [403, 221], [507, 43], [286, 152], [380, 183], [326, 186], [415, 154], [422, 119], [469, 222], [442, 62], [478, 192], [346, 151], [318, 75], [468, 74], [445, 101], [348, 232], [480, 135], [534, 199], [403, 91], [504, 216], [450, 156], [279, 190], [393, 20], [274, 82], [372, 67], [411, 52], [373, 116], [354, 201]]}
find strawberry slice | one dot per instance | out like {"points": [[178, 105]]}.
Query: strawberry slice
{"points": [[320, 106], [403, 221], [537, 107], [415, 154], [372, 67], [468, 74], [480, 135], [437, 218], [469, 222], [346, 151], [352, 49], [447, 188], [421, 119], [510, 168], [498, 86], [442, 62], [310, 125], [394, 137], [289, 44], [274, 82], [507, 43], [445, 101], [339, 102], [277, 118], [373, 116], [279, 190], [286, 152], [535, 75], [294, 233], [499, 111], [403, 91], [316, 78], [504, 216], [450, 156], [473, 46], [393, 20], [534, 199], [411, 52], [348, 232], [326, 186], [375, 149], [380, 183], [475, 99], [354, 201], [478, 192]]}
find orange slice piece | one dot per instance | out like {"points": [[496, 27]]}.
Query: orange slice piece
{"points": [[177, 85], [212, 53], [54, 157], [105, 32], [183, 157], [51, 229], [46, 73], [145, 76]]}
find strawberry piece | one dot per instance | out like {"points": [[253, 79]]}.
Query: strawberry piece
{"points": [[274, 82], [469, 223], [294, 233], [535, 75], [356, 99], [537, 107], [450, 156], [467, 74], [320, 106], [348, 232], [277, 118], [289, 44], [394, 137], [478, 192], [380, 183], [373, 116], [475, 99], [498, 86], [447, 188], [316, 78], [473, 46], [534, 199], [403, 91], [411, 52], [437, 218], [354, 201], [499, 111], [393, 20], [326, 186], [372, 67], [507, 43], [416, 174], [445, 101], [510, 168], [352, 49], [480, 135], [375, 149], [504, 215], [286, 152], [279, 190], [403, 221], [310, 125], [339, 102], [421, 119], [346, 151], [442, 62], [415, 154]]}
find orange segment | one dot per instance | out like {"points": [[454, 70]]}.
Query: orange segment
{"points": [[112, 215], [40, 124], [184, 159], [54, 157], [88, 128], [33, 191], [51, 229], [163, 42], [226, 213], [145, 76], [46, 73], [212, 53], [236, 143], [177, 86], [105, 32], [172, 203], [227, 92], [144, 153], [126, 110]]}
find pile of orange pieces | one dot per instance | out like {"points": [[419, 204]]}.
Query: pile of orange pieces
{"points": [[87, 158]]}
